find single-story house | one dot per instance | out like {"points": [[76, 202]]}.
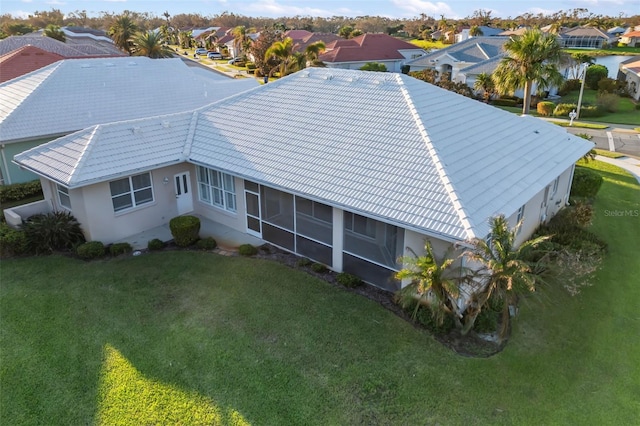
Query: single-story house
{"points": [[586, 38], [349, 185], [629, 71], [381, 48], [73, 94], [631, 39], [455, 58], [485, 31], [24, 60], [76, 47]]}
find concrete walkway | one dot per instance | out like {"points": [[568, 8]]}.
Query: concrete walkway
{"points": [[630, 164]]}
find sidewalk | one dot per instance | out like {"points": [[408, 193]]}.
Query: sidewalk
{"points": [[630, 164]]}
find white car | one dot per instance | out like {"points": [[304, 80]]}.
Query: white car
{"points": [[201, 51], [214, 55]]}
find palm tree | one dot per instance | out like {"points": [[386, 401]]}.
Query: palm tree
{"points": [[434, 283], [121, 32], [505, 272], [241, 40], [484, 84], [282, 51], [313, 51], [475, 31], [54, 32], [150, 44], [531, 58]]}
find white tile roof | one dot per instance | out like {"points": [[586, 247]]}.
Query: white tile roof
{"points": [[74, 94], [384, 145]]}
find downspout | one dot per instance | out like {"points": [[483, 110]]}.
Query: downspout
{"points": [[6, 167]]}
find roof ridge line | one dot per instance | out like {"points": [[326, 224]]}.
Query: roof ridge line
{"points": [[188, 143], [463, 215], [483, 51], [85, 152]]}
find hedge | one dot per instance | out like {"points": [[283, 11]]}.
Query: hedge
{"points": [[586, 183], [20, 191]]}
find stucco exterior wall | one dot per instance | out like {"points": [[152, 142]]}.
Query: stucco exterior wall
{"points": [[10, 172]]}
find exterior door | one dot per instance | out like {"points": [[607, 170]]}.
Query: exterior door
{"points": [[252, 200], [184, 199]]}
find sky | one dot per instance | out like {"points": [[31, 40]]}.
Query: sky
{"points": [[453, 9]]}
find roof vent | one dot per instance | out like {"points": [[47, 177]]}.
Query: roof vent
{"points": [[132, 64], [304, 74], [109, 64], [136, 130], [327, 77], [166, 124]]}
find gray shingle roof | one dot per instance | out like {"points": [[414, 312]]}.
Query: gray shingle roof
{"points": [[476, 49], [73, 94], [384, 145]]}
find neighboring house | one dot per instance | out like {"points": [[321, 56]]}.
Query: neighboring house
{"points": [[350, 185], [586, 38], [455, 58], [73, 94], [302, 39], [631, 39], [356, 52], [616, 31], [24, 60], [486, 32], [629, 71], [83, 47]]}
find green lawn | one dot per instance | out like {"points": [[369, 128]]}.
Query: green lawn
{"points": [[196, 338], [626, 114]]}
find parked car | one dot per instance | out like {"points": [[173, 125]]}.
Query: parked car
{"points": [[214, 55], [201, 51], [236, 61]]}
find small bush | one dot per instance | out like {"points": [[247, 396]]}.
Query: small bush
{"points": [[20, 191], [208, 243], [608, 85], [250, 66], [595, 73], [545, 108], [591, 111], [586, 183], [486, 321], [319, 268], [563, 110], [13, 242], [608, 102], [184, 230], [404, 69], [348, 280], [303, 261], [425, 317], [120, 248], [504, 102], [569, 86], [50, 232], [91, 250], [155, 244], [247, 250]]}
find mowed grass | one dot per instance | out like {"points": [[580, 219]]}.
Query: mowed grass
{"points": [[196, 338]]}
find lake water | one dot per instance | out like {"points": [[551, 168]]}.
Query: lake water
{"points": [[612, 63]]}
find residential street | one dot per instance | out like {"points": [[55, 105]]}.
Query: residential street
{"points": [[618, 138]]}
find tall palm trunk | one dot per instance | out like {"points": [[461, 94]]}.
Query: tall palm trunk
{"points": [[527, 97]]}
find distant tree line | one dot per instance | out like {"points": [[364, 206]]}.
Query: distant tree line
{"points": [[418, 27]]}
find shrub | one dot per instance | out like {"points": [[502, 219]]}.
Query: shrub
{"points": [[13, 242], [569, 86], [348, 280], [425, 317], [545, 108], [319, 268], [608, 85], [404, 69], [155, 244], [563, 110], [49, 232], [504, 102], [250, 66], [595, 73], [91, 250], [184, 230], [580, 213], [586, 183], [20, 191], [303, 261], [120, 248], [208, 243], [486, 321], [608, 102], [247, 250], [591, 111]]}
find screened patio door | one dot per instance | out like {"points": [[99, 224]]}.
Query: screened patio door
{"points": [[253, 213]]}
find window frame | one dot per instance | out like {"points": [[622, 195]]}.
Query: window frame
{"points": [[132, 192], [220, 188], [63, 190]]}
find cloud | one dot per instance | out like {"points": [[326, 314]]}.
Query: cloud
{"points": [[20, 14], [416, 7], [274, 8]]}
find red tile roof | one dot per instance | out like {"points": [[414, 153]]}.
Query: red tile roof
{"points": [[366, 47], [24, 60]]}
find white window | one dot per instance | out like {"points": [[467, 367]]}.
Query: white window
{"points": [[131, 191], [520, 214], [216, 188], [63, 196]]}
